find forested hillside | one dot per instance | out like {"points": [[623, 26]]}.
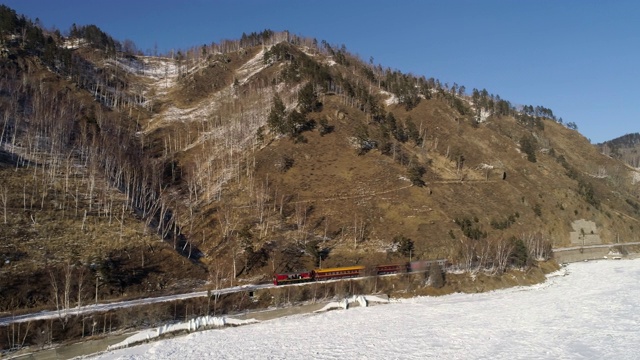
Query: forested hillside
{"points": [[125, 174], [625, 148]]}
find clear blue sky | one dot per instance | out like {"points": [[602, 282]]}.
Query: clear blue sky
{"points": [[578, 57]]}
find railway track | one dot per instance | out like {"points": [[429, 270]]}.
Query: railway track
{"points": [[103, 307]]}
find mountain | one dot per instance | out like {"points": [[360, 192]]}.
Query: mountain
{"points": [[127, 175], [624, 148]]}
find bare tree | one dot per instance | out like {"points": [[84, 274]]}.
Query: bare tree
{"points": [[228, 220], [54, 289], [217, 280], [301, 219], [4, 197], [467, 253], [262, 196], [483, 254], [68, 272], [503, 249], [359, 229], [538, 246], [80, 280]]}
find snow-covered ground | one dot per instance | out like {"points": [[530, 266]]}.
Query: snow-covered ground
{"points": [[251, 67], [391, 99], [591, 313]]}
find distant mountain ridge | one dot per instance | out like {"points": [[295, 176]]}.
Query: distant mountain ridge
{"points": [[627, 140], [625, 148]]}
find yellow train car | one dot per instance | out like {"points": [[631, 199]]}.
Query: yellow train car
{"points": [[338, 272]]}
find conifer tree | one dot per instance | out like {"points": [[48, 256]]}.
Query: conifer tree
{"points": [[415, 175], [277, 119], [528, 145], [412, 131], [307, 99], [404, 245]]}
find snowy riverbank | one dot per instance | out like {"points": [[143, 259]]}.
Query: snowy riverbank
{"points": [[589, 313]]}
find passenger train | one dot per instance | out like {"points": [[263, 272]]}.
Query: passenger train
{"points": [[355, 271]]}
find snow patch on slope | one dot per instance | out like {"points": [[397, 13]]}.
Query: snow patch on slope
{"points": [[484, 115], [73, 43], [391, 98], [251, 67], [159, 74]]}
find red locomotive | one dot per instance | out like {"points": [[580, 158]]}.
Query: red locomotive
{"points": [[292, 278]]}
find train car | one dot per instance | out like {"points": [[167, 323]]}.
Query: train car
{"points": [[355, 271], [425, 265], [338, 272], [390, 269], [292, 278], [444, 263], [418, 266]]}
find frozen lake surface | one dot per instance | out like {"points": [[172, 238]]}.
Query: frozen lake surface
{"points": [[589, 313]]}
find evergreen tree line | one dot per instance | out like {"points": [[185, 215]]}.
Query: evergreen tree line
{"points": [[408, 88]]}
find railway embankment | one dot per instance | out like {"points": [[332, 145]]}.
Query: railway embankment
{"points": [[596, 252]]}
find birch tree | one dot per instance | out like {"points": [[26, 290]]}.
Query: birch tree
{"points": [[502, 249], [4, 197]]}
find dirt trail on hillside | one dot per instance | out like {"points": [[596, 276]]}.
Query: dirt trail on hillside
{"points": [[377, 193]]}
